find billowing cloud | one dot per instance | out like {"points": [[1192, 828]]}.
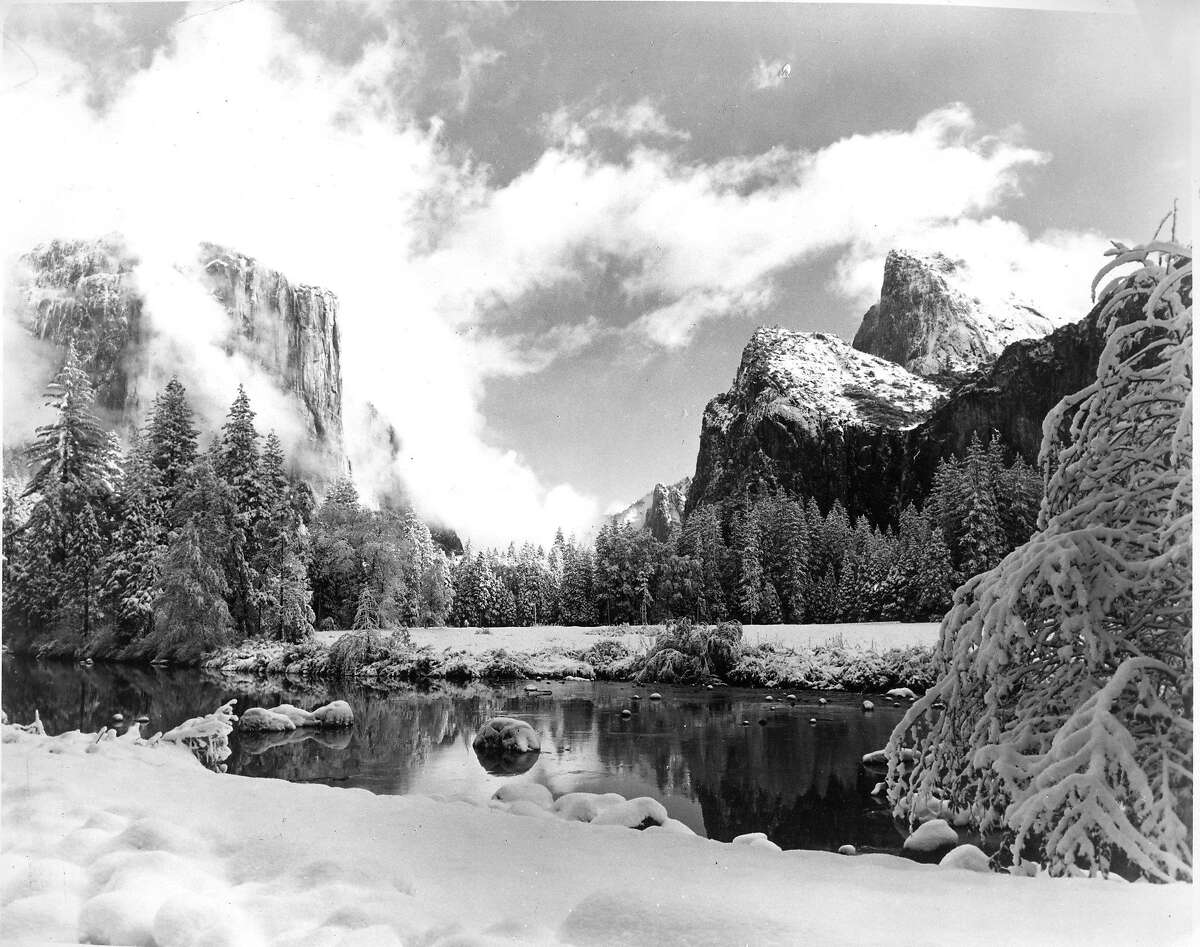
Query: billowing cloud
{"points": [[240, 134]]}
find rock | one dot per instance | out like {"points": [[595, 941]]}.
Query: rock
{"points": [[930, 836], [902, 693], [756, 840], [638, 813], [118, 717], [637, 696], [822, 701], [710, 687], [745, 723], [769, 698], [626, 712], [580, 806], [867, 705], [791, 698], [506, 735], [658, 511], [967, 857], [336, 713], [933, 318], [530, 792], [812, 720], [847, 850], [656, 696], [879, 757], [143, 719], [805, 417], [298, 716], [260, 719], [531, 688]]}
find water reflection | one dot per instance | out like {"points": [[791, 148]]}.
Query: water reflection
{"points": [[802, 783]]}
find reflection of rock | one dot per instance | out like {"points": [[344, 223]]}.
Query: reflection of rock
{"points": [[255, 743], [506, 764]]}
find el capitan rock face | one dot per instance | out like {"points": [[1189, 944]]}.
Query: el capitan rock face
{"points": [[291, 329], [790, 422], [88, 290], [933, 319]]}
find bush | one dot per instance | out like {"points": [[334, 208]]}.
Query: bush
{"points": [[354, 651], [684, 653]]}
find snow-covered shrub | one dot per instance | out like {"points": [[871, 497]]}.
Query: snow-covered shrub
{"points": [[689, 653], [354, 651], [1066, 670], [208, 736]]}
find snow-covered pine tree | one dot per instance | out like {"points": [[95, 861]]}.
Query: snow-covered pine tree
{"points": [[171, 438], [983, 540], [1067, 669], [747, 551], [75, 471], [130, 570]]}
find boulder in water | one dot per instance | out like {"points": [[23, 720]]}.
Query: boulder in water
{"points": [[297, 715], [261, 720], [847, 850], [336, 713], [506, 735], [867, 705], [930, 836], [902, 693]]}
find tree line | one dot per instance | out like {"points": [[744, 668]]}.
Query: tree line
{"points": [[167, 550], [766, 559]]}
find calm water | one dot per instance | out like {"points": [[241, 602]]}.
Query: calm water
{"points": [[801, 783]]}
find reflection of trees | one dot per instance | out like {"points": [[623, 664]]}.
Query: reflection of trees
{"points": [[801, 784]]}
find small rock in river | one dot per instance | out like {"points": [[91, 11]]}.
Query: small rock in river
{"points": [[656, 696], [822, 701], [745, 723], [847, 850], [792, 698], [769, 698], [867, 705], [812, 719], [710, 687]]}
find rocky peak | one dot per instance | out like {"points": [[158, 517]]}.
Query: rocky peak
{"points": [[934, 318], [816, 378], [658, 511]]}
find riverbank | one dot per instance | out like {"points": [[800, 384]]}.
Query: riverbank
{"points": [[140, 844], [869, 658]]}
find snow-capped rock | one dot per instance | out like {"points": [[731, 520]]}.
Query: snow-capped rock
{"points": [[934, 318], [968, 857], [506, 735], [930, 836]]}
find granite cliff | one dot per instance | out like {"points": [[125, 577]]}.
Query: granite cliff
{"points": [[88, 291], [934, 319], [808, 415]]}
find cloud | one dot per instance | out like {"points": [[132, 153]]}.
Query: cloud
{"points": [[240, 134], [770, 74], [695, 241], [573, 127]]}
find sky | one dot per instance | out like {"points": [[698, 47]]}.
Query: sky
{"points": [[552, 227]]}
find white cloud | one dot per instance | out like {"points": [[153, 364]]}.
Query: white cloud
{"points": [[574, 127], [241, 135], [770, 74]]}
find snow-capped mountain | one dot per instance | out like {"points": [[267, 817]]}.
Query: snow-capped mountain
{"points": [[658, 510], [933, 317]]}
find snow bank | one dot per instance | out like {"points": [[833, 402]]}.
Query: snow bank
{"points": [[139, 843]]}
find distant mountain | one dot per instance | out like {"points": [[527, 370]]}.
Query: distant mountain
{"points": [[809, 415], [87, 290], [658, 510], [934, 319]]}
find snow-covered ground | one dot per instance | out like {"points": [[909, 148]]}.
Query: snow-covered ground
{"points": [[873, 635], [141, 845]]}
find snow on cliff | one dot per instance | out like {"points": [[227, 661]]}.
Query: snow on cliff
{"points": [[934, 316], [813, 377]]}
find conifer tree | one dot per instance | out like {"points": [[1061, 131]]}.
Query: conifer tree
{"points": [[171, 437]]}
